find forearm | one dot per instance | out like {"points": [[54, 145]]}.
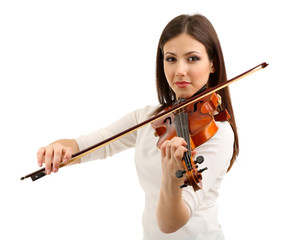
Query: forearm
{"points": [[172, 213]]}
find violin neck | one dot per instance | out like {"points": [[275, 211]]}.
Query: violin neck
{"points": [[182, 130]]}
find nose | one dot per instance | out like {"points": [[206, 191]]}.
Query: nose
{"points": [[181, 69]]}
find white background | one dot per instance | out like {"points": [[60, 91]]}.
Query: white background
{"points": [[70, 67]]}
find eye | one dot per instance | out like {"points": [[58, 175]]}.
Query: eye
{"points": [[193, 59], [170, 59]]}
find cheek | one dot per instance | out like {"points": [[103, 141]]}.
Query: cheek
{"points": [[200, 75], [168, 73]]}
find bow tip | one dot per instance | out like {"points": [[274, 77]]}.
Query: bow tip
{"points": [[264, 65]]}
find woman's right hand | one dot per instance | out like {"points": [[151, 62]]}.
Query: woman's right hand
{"points": [[53, 155]]}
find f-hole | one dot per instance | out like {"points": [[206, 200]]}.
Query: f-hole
{"points": [[168, 118], [195, 106]]}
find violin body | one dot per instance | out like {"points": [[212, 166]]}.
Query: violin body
{"points": [[200, 118], [199, 122]]}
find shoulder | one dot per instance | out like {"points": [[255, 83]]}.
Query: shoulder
{"points": [[224, 138], [221, 144], [144, 113], [225, 132]]}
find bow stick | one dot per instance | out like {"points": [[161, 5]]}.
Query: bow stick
{"points": [[41, 172]]}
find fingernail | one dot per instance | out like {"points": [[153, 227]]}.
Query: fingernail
{"points": [[48, 171], [55, 170], [40, 164], [65, 160]]}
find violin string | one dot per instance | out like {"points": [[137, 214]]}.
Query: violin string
{"points": [[178, 126], [185, 131], [187, 139], [182, 129]]}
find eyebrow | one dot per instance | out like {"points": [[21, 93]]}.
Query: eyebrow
{"points": [[191, 52]]}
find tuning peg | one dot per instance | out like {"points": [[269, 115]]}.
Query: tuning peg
{"points": [[202, 170], [199, 160], [179, 173]]}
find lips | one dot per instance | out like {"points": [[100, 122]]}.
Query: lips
{"points": [[182, 84]]}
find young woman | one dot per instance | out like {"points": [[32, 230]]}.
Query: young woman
{"points": [[189, 57]]}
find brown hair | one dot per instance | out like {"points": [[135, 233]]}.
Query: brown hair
{"points": [[200, 28]]}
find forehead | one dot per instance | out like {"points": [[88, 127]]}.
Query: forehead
{"points": [[183, 43]]}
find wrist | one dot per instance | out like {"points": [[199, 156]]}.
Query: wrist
{"points": [[171, 190], [172, 212]]}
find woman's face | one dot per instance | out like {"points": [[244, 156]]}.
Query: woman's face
{"points": [[186, 65]]}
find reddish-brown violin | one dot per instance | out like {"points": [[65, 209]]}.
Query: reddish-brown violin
{"points": [[192, 119], [195, 123]]}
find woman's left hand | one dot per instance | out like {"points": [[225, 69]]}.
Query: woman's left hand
{"points": [[172, 152], [172, 212]]}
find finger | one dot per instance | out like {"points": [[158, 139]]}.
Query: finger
{"points": [[176, 143], [179, 154], [67, 155], [48, 159], [57, 158], [169, 147], [163, 149], [193, 154], [40, 156]]}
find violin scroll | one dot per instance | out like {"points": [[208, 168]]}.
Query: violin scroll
{"points": [[193, 177]]}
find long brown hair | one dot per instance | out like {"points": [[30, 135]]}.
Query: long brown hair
{"points": [[200, 28]]}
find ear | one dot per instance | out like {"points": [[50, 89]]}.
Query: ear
{"points": [[212, 68]]}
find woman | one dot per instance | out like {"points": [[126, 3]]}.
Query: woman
{"points": [[189, 57]]}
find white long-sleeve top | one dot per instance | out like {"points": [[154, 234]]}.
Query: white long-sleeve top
{"points": [[217, 152]]}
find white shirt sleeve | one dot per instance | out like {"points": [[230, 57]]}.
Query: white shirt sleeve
{"points": [[118, 145], [217, 153]]}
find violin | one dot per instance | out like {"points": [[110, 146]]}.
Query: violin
{"points": [[194, 120], [195, 123]]}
